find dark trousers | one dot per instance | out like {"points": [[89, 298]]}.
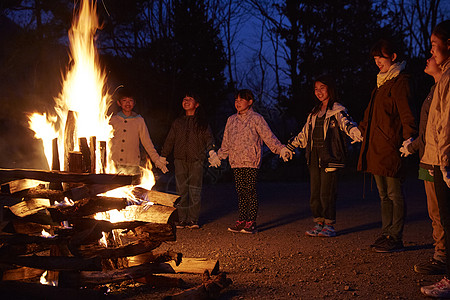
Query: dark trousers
{"points": [[323, 191], [393, 208], [245, 181], [443, 197], [189, 180]]}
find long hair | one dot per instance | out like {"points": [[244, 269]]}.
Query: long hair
{"points": [[332, 92], [199, 115]]}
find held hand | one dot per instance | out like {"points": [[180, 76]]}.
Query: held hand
{"points": [[161, 164], [214, 160], [404, 151], [355, 135], [286, 154], [446, 174], [407, 142]]}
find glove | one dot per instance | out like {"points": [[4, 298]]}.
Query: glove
{"points": [[286, 154], [405, 152], [355, 135], [214, 160], [161, 164], [446, 174]]}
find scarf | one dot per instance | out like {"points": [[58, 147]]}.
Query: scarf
{"points": [[393, 72]]}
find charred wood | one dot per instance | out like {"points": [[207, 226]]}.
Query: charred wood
{"points": [[57, 263]]}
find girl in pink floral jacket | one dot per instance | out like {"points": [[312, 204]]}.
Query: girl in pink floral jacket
{"points": [[242, 143]]}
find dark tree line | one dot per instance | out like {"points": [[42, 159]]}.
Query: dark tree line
{"points": [[161, 48]]}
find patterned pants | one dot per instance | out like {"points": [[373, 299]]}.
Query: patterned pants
{"points": [[245, 181]]}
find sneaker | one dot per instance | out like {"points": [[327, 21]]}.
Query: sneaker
{"points": [[431, 267], [250, 227], [315, 231], [389, 246], [193, 225], [440, 289], [327, 231], [181, 225], [237, 227], [379, 241]]}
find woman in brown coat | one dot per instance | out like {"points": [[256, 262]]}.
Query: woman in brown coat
{"points": [[388, 121]]}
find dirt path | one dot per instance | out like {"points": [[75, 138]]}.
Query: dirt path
{"points": [[280, 262]]}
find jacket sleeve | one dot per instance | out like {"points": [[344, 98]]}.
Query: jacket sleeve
{"points": [[209, 139], [267, 136], [223, 152], [169, 143], [301, 140], [403, 98], [442, 93], [345, 121], [144, 137]]}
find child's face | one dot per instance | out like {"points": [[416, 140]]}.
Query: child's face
{"points": [[189, 105], [384, 62], [439, 49], [127, 104], [321, 91], [242, 105], [432, 67]]}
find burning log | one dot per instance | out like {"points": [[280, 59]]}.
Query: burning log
{"points": [[85, 155], [90, 190], [13, 174], [29, 207], [92, 148], [86, 207], [75, 164], [69, 137], [55, 164], [103, 156], [209, 289]]}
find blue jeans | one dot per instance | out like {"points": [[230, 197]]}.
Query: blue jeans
{"points": [[189, 181], [393, 208]]}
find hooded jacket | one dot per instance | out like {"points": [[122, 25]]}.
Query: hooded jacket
{"points": [[336, 125], [388, 121]]}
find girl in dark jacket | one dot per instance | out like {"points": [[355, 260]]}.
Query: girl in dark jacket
{"points": [[190, 139], [324, 137], [388, 121]]}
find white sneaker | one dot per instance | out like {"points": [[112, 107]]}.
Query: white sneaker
{"points": [[440, 289]]}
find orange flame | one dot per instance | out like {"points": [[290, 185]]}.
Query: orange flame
{"points": [[83, 89]]}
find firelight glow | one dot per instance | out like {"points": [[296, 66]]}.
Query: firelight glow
{"points": [[83, 90]]}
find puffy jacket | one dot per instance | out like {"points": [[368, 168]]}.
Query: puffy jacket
{"points": [[388, 121], [336, 125]]}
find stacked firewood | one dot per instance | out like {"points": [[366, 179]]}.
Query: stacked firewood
{"points": [[52, 236], [71, 253]]}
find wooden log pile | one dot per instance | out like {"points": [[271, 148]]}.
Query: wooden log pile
{"points": [[72, 255]]}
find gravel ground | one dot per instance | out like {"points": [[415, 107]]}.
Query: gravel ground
{"points": [[280, 262]]}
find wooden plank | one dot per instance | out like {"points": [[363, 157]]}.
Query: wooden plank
{"points": [[22, 273], [69, 136], [29, 207], [150, 213], [196, 265], [92, 148], [57, 263], [155, 197], [56, 176], [85, 154], [15, 186]]}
